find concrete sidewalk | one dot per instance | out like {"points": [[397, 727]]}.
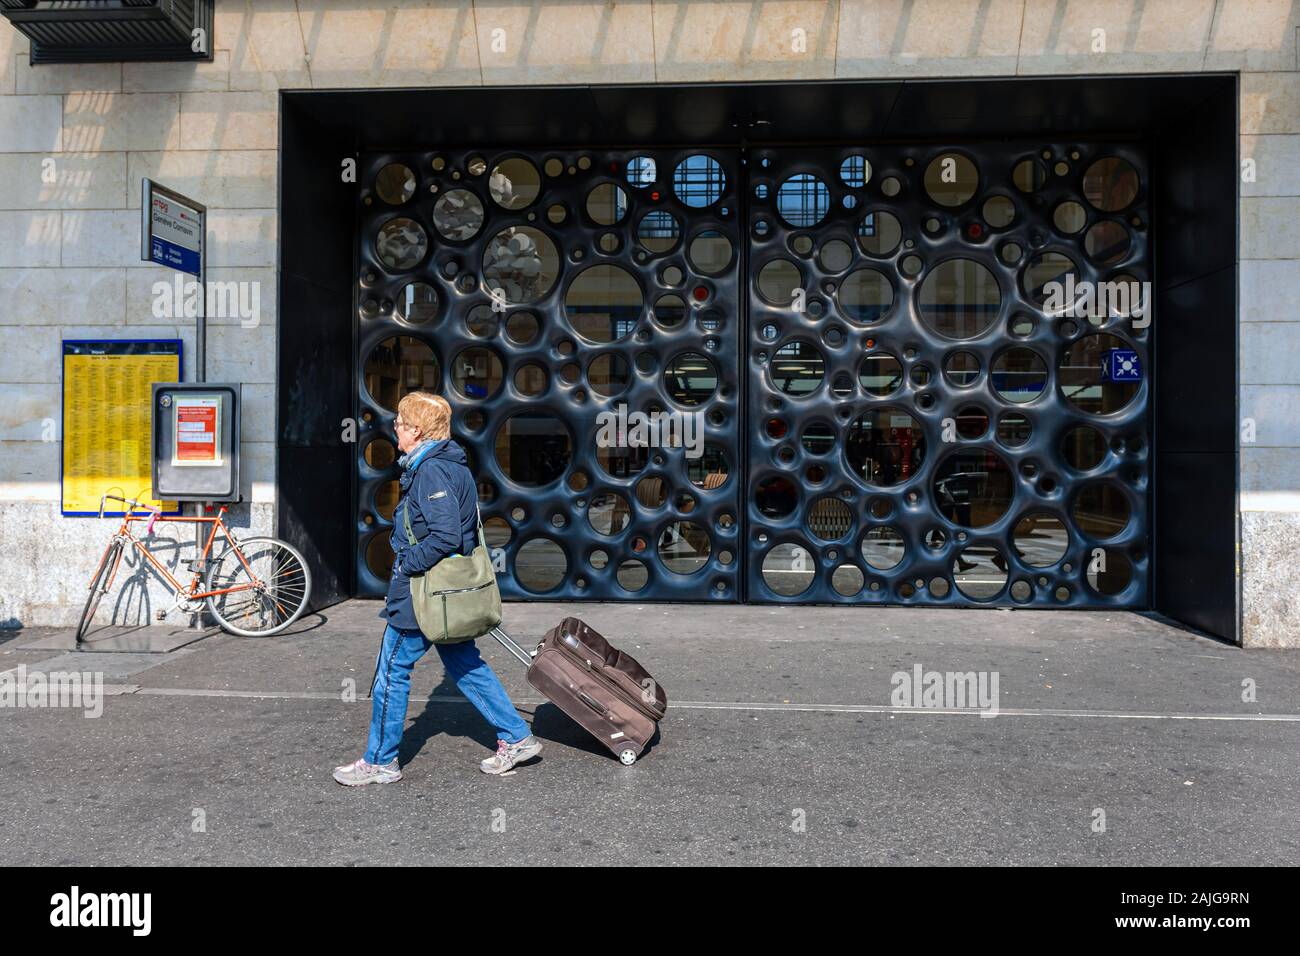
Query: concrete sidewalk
{"points": [[781, 745]]}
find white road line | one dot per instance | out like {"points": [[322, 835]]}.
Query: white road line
{"points": [[755, 705]]}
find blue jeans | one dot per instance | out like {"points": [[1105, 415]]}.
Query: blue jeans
{"points": [[400, 649]]}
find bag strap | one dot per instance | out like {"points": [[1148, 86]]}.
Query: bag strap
{"points": [[410, 535], [406, 522]]}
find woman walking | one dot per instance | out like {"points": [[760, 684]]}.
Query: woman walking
{"points": [[441, 501]]}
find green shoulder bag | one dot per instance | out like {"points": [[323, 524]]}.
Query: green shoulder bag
{"points": [[457, 599]]}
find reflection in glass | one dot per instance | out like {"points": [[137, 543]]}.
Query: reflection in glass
{"points": [[778, 280], [1018, 375], [803, 200], [1110, 184], [710, 253], [684, 547], [708, 471], [395, 184], [533, 449], [788, 569], [879, 233], [540, 565], [797, 369], [417, 303], [1087, 376], [883, 548], [401, 244], [477, 373], [980, 572], [960, 299], [855, 171], [951, 179], [884, 446], [658, 231], [1040, 540], [1101, 510], [690, 379], [514, 183], [865, 296], [699, 181], [399, 365], [881, 374], [829, 518], [458, 215], [522, 262], [606, 204], [973, 487], [609, 513], [603, 303]]}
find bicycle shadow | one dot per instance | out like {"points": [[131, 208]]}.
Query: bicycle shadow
{"points": [[133, 604]]}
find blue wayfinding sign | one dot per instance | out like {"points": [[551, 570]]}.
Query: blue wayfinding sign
{"points": [[172, 229], [1121, 365]]}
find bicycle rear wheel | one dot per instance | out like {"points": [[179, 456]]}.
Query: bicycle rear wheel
{"points": [[264, 596], [99, 584]]}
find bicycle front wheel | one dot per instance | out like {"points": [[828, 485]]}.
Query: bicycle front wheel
{"points": [[259, 588], [99, 584]]}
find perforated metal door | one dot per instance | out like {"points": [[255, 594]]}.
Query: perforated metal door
{"points": [[539, 292], [927, 424]]}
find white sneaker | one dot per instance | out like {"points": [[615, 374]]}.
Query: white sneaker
{"points": [[508, 755], [359, 773]]}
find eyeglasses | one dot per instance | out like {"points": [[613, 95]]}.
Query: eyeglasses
{"points": [[398, 423]]}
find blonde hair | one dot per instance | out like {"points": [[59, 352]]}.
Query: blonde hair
{"points": [[428, 412]]}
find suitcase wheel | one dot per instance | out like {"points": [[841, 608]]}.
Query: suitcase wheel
{"points": [[628, 757]]}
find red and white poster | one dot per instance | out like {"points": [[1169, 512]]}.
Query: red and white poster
{"points": [[198, 427]]}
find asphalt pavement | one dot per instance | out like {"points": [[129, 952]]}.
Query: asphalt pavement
{"points": [[1118, 738]]}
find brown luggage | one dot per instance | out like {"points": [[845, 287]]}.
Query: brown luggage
{"points": [[599, 686]]}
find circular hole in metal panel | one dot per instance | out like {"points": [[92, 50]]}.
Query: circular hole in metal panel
{"points": [[884, 446], [684, 547], [540, 565], [980, 572], [395, 184], [603, 303], [401, 244], [959, 299], [788, 569], [533, 448], [522, 263], [951, 179], [973, 487], [1040, 539], [514, 183], [399, 365]]}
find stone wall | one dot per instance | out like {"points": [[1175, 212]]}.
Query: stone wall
{"points": [[68, 248]]}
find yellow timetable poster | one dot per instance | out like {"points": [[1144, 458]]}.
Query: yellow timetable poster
{"points": [[106, 425]]}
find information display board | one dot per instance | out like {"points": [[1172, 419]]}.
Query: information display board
{"points": [[196, 441], [107, 428]]}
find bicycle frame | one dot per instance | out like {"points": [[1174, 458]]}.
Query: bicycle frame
{"points": [[192, 590]]}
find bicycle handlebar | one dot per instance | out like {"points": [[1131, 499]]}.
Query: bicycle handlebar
{"points": [[126, 501]]}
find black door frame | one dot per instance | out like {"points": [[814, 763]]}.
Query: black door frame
{"points": [[1190, 122]]}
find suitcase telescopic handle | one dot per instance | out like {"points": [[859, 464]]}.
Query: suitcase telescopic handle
{"points": [[506, 641]]}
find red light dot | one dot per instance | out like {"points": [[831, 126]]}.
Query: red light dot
{"points": [[655, 195], [871, 343], [975, 230], [701, 293]]}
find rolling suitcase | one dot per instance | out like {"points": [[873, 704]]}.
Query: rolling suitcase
{"points": [[603, 689]]}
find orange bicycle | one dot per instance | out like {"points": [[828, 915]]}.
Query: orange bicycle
{"points": [[256, 588]]}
